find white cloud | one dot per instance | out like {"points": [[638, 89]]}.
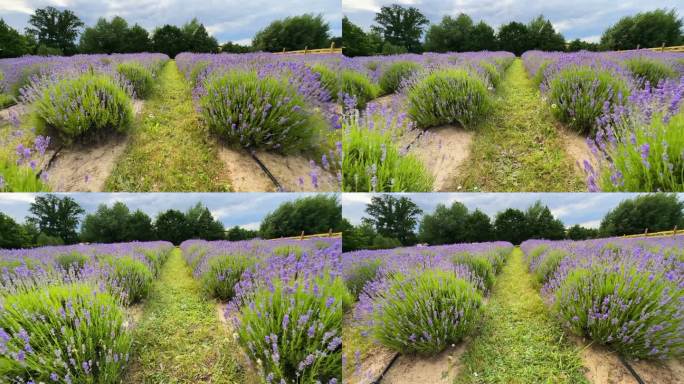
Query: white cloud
{"points": [[592, 39], [360, 5], [591, 224], [251, 226], [15, 6]]}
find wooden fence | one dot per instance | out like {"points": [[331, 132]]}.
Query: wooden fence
{"points": [[307, 51], [663, 48], [674, 232], [304, 237]]}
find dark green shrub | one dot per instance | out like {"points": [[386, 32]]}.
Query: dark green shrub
{"points": [[60, 332], [449, 96], [649, 70], [254, 112], [132, 278], [71, 261], [89, 104], [426, 312], [223, 273], [140, 78], [359, 86], [391, 78]]}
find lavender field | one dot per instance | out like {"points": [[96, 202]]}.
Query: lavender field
{"points": [[142, 122], [550, 121]]}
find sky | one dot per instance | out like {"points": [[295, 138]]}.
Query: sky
{"points": [[586, 209], [242, 209], [227, 20], [575, 19]]}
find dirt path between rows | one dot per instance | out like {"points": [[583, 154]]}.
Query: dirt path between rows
{"points": [[577, 148], [439, 369]]}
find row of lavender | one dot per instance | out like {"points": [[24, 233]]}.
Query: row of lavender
{"points": [[420, 299], [285, 301], [428, 90], [628, 103], [67, 99], [627, 294], [62, 315]]}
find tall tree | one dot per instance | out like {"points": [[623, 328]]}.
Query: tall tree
{"points": [[168, 39], [446, 225], [354, 40], [197, 38], [12, 43], [105, 36], [231, 47], [450, 35], [509, 225], [394, 217], [55, 29], [12, 235], [645, 30], [543, 36], [56, 217], [578, 232], [238, 233], [293, 33], [172, 226], [541, 224], [107, 225], [652, 212], [203, 225], [401, 26], [140, 227], [138, 40], [478, 227], [514, 37], [314, 214]]}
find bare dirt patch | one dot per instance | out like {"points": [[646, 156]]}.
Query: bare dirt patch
{"points": [[577, 148], [443, 150], [604, 367], [135, 314], [293, 173], [244, 173], [17, 110], [372, 366], [442, 368]]}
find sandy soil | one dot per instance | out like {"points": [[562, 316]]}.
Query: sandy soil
{"points": [[604, 367], [135, 314], [442, 368], [18, 109], [384, 101], [372, 366], [289, 169], [578, 150], [245, 175], [443, 150]]}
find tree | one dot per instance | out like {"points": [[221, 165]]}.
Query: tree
{"points": [[541, 224], [197, 38], [478, 227], [315, 214], [514, 37], [12, 43], [55, 29], [355, 42], [172, 226], [444, 225], [230, 47], [577, 232], [114, 37], [56, 217], [581, 45], [652, 212], [293, 33], [483, 37], [645, 30], [138, 40], [543, 36], [107, 225], [394, 217], [168, 39], [401, 26], [238, 233], [202, 224], [12, 235], [140, 227], [509, 225]]}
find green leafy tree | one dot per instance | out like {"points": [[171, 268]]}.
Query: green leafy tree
{"points": [[203, 225], [137, 40], [231, 47], [12, 43], [543, 36], [56, 217], [12, 235], [514, 37], [55, 29], [293, 33], [645, 30], [237, 233], [450, 35], [577, 232], [581, 45], [394, 217], [140, 227], [314, 214], [446, 225], [478, 227], [355, 42], [541, 224], [106, 225], [168, 39], [652, 212], [114, 36], [172, 226], [197, 39], [401, 26], [509, 225]]}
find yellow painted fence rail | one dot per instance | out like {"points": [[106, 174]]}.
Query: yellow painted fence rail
{"points": [[307, 51]]}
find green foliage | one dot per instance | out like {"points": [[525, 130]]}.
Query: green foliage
{"points": [[198, 72], [103, 107], [354, 41], [578, 94], [313, 215], [168, 39], [223, 273], [197, 39], [359, 86], [624, 296], [449, 96], [514, 37], [13, 235], [644, 30], [19, 178], [140, 78], [548, 266], [296, 339], [55, 29], [394, 216], [480, 266], [237, 233], [577, 232], [71, 261], [650, 70], [509, 225], [328, 78], [541, 224], [535, 253], [652, 212], [116, 224], [132, 278], [288, 250], [493, 75], [12, 42], [434, 303], [43, 240], [172, 225], [450, 225], [55, 216], [231, 47], [368, 148], [114, 36], [286, 123], [28, 73], [543, 36], [460, 35], [395, 73], [360, 274], [6, 100], [401, 26], [91, 332], [293, 33]]}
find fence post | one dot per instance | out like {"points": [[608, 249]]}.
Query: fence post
{"points": [[302, 236], [662, 47], [306, 49], [330, 232], [674, 231], [332, 47], [283, 49]]}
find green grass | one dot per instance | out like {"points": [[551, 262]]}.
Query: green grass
{"points": [[171, 149], [518, 148], [518, 341], [180, 338]]}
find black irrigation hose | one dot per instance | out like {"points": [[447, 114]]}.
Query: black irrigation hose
{"points": [[631, 370], [268, 173], [387, 368], [49, 163]]}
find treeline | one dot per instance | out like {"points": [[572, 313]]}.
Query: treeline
{"points": [[392, 222], [61, 32], [400, 29], [58, 221]]}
